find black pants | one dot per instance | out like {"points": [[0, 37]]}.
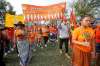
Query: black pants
{"points": [[64, 41], [97, 59], [97, 48], [1, 56], [45, 39], [2, 63], [97, 54]]}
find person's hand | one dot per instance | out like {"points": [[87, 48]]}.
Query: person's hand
{"points": [[93, 55], [70, 45], [14, 44], [85, 43]]}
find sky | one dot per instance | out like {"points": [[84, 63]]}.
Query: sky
{"points": [[18, 8]]}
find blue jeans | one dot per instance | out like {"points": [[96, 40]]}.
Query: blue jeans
{"points": [[23, 50]]}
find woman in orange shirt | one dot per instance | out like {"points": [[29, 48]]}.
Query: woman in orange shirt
{"points": [[83, 43]]}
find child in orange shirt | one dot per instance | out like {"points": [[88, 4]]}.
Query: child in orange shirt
{"points": [[39, 38]]}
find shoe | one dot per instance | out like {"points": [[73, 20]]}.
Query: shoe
{"points": [[18, 55], [34, 50], [67, 55], [21, 64], [60, 51], [56, 40], [45, 45], [5, 54], [9, 51], [37, 45], [41, 47], [12, 49]]}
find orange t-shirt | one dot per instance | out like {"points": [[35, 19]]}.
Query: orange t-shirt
{"points": [[97, 34], [81, 34], [35, 29], [39, 36], [52, 29], [19, 34], [45, 31], [31, 37]]}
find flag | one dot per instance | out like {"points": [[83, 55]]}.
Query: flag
{"points": [[73, 19], [44, 11], [64, 18], [9, 20]]}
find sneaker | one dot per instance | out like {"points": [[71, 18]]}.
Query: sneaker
{"points": [[41, 47], [60, 51], [21, 64], [5, 54], [12, 49], [37, 45], [34, 50], [45, 45], [9, 51], [67, 55], [18, 55]]}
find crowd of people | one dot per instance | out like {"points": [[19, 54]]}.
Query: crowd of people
{"points": [[84, 41]]}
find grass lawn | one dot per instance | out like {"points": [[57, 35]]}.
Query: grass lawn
{"points": [[49, 56]]}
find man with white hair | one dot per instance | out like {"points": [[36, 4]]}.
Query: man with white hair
{"points": [[64, 34]]}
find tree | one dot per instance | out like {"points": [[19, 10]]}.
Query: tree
{"points": [[7, 7], [83, 7], [4, 10]]}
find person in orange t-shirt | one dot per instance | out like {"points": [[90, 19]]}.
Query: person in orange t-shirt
{"points": [[83, 43], [45, 34], [22, 44], [52, 29], [35, 29], [97, 40], [39, 36], [31, 37], [52, 33]]}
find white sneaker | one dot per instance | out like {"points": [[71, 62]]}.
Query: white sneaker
{"points": [[9, 51], [41, 47], [56, 40], [67, 55], [60, 51], [12, 49], [18, 55], [5, 54], [34, 50], [45, 45], [21, 64]]}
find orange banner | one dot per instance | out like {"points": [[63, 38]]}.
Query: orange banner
{"points": [[32, 12]]}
